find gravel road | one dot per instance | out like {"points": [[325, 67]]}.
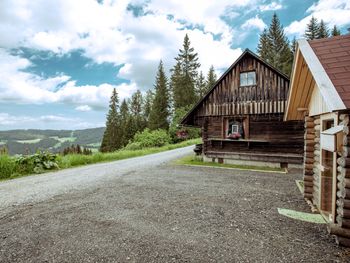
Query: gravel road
{"points": [[149, 210]]}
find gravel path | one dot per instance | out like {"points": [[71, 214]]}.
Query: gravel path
{"points": [[152, 211]]}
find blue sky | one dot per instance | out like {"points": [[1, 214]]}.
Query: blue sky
{"points": [[60, 60]]}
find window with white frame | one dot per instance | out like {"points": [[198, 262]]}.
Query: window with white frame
{"points": [[247, 78]]}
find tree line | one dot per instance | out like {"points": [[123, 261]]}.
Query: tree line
{"points": [[275, 48], [170, 99], [161, 107]]}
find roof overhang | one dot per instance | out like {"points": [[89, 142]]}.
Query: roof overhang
{"points": [[308, 71]]}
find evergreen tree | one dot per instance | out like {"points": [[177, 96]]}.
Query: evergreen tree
{"points": [[211, 78], [323, 31], [147, 105], [264, 45], [312, 29], [293, 46], [274, 47], [160, 109], [335, 31], [111, 140], [125, 120], [184, 75], [201, 86], [136, 111]]}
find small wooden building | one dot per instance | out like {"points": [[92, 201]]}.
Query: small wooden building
{"points": [[320, 95], [242, 117]]}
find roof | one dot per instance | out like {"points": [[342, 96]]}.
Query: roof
{"points": [[245, 53], [321, 66], [334, 55]]}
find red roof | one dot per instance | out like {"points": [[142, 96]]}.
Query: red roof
{"points": [[334, 55]]}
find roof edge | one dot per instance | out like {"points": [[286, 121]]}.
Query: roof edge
{"points": [[246, 51], [324, 83]]}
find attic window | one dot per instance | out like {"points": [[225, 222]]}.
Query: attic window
{"points": [[247, 78]]}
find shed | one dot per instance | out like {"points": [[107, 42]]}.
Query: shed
{"points": [[320, 95], [241, 117]]}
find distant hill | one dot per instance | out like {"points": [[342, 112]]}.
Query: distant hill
{"points": [[29, 141]]}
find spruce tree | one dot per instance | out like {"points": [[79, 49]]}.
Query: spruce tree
{"points": [[211, 78], [147, 105], [111, 140], [274, 47], [185, 72], [293, 46], [201, 86], [136, 111], [335, 31], [312, 29], [264, 45], [125, 120], [323, 31], [160, 109]]}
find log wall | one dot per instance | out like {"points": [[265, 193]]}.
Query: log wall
{"points": [[342, 228], [309, 155]]}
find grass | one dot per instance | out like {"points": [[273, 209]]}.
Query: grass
{"points": [[62, 140], [195, 160], [29, 141], [9, 169]]}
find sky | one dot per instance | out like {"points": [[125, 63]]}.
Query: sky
{"points": [[60, 59]]}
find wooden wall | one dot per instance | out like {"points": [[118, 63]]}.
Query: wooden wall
{"points": [[269, 95], [268, 134]]}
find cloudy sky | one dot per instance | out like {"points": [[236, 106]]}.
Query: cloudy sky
{"points": [[60, 59]]}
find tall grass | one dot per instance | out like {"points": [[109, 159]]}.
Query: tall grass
{"points": [[9, 168]]}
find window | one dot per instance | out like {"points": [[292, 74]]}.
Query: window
{"points": [[247, 78], [234, 129]]}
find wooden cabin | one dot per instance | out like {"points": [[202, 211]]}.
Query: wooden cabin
{"points": [[320, 95], [241, 117]]}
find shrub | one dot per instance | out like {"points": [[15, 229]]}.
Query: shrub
{"points": [[36, 163], [148, 138]]}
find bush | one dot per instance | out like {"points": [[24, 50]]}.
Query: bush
{"points": [[149, 138], [36, 163]]}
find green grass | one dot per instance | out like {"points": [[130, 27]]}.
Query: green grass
{"points": [[62, 140], [2, 142], [9, 169], [29, 141], [195, 160]]}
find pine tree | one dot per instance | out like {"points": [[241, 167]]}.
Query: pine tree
{"points": [[211, 78], [160, 109], [274, 47], [312, 29], [335, 31], [323, 31], [184, 75], [264, 45], [147, 105], [125, 120], [201, 86], [293, 46], [111, 140], [136, 111]]}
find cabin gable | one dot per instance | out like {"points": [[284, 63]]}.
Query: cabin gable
{"points": [[249, 86]]}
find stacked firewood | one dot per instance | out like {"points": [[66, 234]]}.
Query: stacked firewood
{"points": [[342, 228], [309, 157]]}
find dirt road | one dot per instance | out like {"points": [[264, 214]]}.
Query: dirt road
{"points": [[149, 210]]}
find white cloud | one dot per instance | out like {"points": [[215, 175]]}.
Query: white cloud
{"points": [[254, 22], [335, 12], [270, 7], [83, 108], [23, 87], [9, 121]]}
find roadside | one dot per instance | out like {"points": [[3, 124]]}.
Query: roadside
{"points": [[169, 213]]}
